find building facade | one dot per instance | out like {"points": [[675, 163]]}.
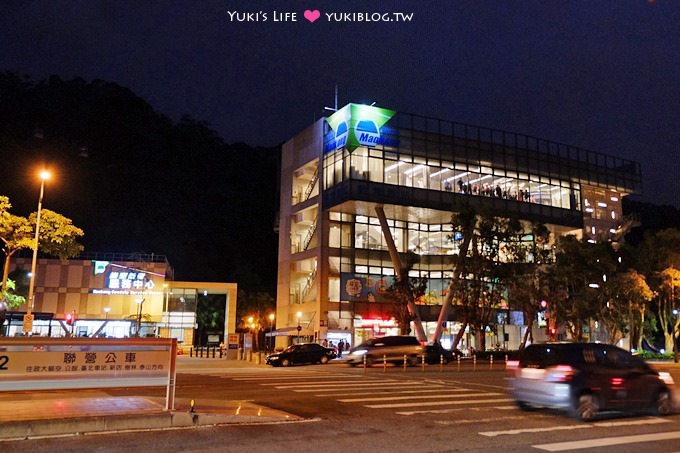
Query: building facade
{"points": [[340, 173], [117, 296]]}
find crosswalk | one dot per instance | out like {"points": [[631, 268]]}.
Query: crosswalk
{"points": [[476, 405], [401, 396]]}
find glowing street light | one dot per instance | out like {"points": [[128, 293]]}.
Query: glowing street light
{"points": [[28, 317], [271, 331], [106, 312]]}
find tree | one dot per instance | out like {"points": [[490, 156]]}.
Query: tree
{"points": [[632, 295], [255, 305], [667, 305], [58, 236], [577, 282], [404, 289], [8, 299]]}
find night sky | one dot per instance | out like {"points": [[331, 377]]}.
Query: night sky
{"points": [[603, 75]]}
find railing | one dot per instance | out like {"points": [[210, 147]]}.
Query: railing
{"points": [[312, 183], [310, 233], [308, 285]]}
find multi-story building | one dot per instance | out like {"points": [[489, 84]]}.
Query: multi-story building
{"points": [[341, 173]]}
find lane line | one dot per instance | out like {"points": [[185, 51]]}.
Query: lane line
{"points": [[456, 409], [396, 398], [608, 441], [335, 389], [436, 403], [647, 421], [396, 392]]}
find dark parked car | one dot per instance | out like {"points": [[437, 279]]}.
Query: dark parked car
{"points": [[585, 378], [436, 353], [301, 353]]}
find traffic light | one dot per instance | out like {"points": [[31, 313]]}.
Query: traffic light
{"points": [[71, 318]]}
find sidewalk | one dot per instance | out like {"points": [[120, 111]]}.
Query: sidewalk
{"points": [[51, 413]]}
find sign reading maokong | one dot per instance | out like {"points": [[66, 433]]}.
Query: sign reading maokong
{"points": [[357, 125]]}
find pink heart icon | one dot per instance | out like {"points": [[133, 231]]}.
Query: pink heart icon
{"points": [[312, 15]]}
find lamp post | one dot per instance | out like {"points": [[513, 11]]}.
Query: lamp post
{"points": [[299, 328], [271, 331], [28, 317]]}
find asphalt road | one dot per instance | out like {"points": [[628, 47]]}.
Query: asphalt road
{"points": [[391, 410]]}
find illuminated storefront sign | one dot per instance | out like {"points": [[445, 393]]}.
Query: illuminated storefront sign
{"points": [[357, 125]]}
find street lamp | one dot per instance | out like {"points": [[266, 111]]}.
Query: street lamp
{"points": [[271, 331], [299, 315], [28, 317]]}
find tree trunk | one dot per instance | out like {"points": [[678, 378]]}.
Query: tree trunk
{"points": [[459, 335], [527, 334]]}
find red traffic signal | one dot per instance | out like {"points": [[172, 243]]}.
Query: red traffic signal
{"points": [[70, 318], [544, 303]]}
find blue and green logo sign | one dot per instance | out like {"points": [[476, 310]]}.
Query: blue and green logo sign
{"points": [[357, 125]]}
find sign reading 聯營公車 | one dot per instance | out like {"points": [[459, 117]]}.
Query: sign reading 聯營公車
{"points": [[37, 363]]}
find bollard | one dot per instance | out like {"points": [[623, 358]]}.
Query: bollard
{"points": [[384, 363], [365, 364], [441, 362], [405, 358], [191, 351], [506, 359], [422, 363], [491, 362], [474, 362], [458, 360]]}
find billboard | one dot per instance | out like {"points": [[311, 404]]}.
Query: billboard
{"points": [[357, 125]]}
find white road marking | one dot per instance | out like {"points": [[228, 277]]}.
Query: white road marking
{"points": [[436, 403], [646, 421], [349, 388], [456, 409], [315, 383], [395, 398], [395, 392], [608, 441]]}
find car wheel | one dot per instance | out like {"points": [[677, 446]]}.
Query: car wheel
{"points": [[285, 362], [586, 408], [523, 406], [663, 404], [324, 359]]}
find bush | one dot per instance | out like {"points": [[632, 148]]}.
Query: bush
{"points": [[648, 355]]}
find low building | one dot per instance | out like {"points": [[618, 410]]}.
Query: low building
{"points": [[116, 295]]}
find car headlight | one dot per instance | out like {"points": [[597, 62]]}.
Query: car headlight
{"points": [[666, 377], [359, 352], [273, 357]]}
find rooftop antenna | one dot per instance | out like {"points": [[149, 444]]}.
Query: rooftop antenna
{"points": [[336, 101]]}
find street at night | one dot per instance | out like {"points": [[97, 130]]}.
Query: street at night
{"points": [[430, 409]]}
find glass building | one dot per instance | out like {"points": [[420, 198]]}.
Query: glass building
{"points": [[334, 263]]}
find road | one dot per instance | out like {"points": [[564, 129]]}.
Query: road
{"points": [[346, 409]]}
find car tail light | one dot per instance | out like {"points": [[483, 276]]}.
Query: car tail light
{"points": [[511, 367], [560, 373], [616, 382]]}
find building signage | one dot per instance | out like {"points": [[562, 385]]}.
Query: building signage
{"points": [[357, 125], [124, 280], [365, 288]]}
